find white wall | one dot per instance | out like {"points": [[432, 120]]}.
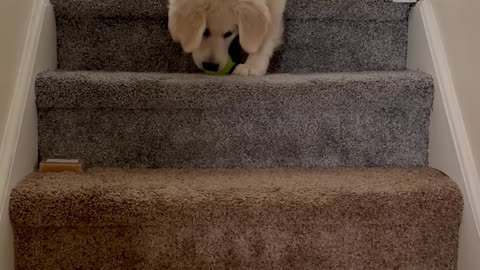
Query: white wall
{"points": [[22, 57], [14, 19], [459, 22], [440, 43]]}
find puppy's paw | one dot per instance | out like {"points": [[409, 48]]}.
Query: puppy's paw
{"points": [[249, 70]]}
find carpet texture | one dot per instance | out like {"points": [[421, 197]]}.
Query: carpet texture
{"points": [[237, 219], [381, 10], [320, 36], [155, 120], [321, 165]]}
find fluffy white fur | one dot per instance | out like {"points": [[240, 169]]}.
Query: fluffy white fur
{"points": [[206, 28]]}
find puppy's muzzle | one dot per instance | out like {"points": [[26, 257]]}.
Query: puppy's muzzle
{"points": [[210, 66]]}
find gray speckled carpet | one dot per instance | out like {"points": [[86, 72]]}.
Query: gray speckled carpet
{"points": [[156, 120], [321, 165], [320, 36]]}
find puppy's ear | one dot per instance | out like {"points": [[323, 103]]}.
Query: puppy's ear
{"points": [[186, 23], [254, 20]]}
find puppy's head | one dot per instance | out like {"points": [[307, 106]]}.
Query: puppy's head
{"points": [[206, 28]]}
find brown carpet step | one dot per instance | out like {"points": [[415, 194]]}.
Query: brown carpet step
{"points": [[377, 218]]}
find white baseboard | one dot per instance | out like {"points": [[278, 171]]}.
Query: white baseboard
{"points": [[18, 148], [450, 149]]}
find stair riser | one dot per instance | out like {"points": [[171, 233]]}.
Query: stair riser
{"points": [[180, 120], [382, 10], [229, 243], [246, 138], [119, 44]]}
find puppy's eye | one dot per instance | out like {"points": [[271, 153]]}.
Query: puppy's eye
{"points": [[206, 33], [227, 35]]}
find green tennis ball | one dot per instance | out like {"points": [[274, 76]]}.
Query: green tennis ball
{"points": [[225, 71]]}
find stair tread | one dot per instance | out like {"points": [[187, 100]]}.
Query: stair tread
{"points": [[296, 9], [308, 46], [194, 120], [130, 90], [108, 197]]}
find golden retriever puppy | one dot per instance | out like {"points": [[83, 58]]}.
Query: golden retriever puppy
{"points": [[206, 29]]}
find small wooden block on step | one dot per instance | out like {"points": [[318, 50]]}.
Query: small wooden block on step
{"points": [[61, 165]]}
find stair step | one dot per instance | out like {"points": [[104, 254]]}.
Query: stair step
{"points": [[378, 218], [311, 46], [320, 36], [381, 10], [182, 120]]}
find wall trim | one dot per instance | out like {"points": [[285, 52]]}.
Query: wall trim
{"points": [[23, 80], [451, 104]]}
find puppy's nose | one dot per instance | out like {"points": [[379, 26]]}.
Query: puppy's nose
{"points": [[210, 66]]}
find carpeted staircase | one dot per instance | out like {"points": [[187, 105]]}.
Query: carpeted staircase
{"points": [[321, 165]]}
